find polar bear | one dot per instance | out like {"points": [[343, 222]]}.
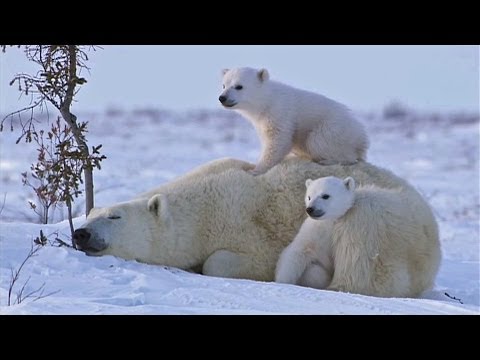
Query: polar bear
{"points": [[362, 240], [288, 119], [220, 221]]}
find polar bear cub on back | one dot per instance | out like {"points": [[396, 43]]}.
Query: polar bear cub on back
{"points": [[288, 119], [367, 240]]}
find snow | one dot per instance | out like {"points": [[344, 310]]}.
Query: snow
{"points": [[438, 154]]}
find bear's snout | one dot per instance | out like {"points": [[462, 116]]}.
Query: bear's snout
{"points": [[226, 102], [314, 213], [81, 237], [85, 241]]}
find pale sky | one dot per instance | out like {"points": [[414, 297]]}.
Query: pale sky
{"points": [[181, 77]]}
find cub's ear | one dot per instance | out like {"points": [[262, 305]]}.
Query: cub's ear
{"points": [[158, 205], [263, 74], [349, 183], [224, 71], [308, 182]]}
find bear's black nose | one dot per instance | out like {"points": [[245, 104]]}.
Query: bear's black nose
{"points": [[81, 237], [222, 99], [309, 210]]}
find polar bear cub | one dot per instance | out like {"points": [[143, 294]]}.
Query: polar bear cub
{"points": [[366, 240], [308, 259], [288, 119]]}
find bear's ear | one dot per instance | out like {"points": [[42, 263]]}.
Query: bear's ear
{"points": [[158, 205], [263, 74], [308, 182], [349, 183], [224, 71]]}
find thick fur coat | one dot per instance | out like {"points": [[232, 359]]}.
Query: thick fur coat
{"points": [[221, 221]]}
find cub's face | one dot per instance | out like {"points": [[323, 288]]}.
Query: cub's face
{"points": [[242, 87], [329, 197]]}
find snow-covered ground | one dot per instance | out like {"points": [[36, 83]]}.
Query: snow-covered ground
{"points": [[438, 154]]}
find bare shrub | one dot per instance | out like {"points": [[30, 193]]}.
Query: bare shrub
{"points": [[65, 156], [17, 297]]}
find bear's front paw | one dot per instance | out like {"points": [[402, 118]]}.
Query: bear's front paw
{"points": [[285, 276]]}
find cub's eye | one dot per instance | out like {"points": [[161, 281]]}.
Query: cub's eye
{"points": [[114, 217], [308, 197], [326, 196], [238, 87], [223, 86]]}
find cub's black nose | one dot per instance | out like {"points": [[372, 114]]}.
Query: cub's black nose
{"points": [[81, 237], [309, 210], [222, 99]]}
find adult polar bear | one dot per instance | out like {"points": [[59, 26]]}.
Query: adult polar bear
{"points": [[222, 221]]}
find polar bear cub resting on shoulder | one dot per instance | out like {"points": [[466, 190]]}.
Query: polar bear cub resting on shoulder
{"points": [[288, 119], [367, 241]]}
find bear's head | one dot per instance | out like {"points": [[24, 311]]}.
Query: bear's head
{"points": [[129, 230], [242, 87], [329, 197]]}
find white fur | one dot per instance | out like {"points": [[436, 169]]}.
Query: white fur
{"points": [[219, 220], [310, 248], [288, 119], [371, 241]]}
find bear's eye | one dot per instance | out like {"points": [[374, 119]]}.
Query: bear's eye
{"points": [[308, 197], [238, 87], [223, 86], [326, 196], [114, 217]]}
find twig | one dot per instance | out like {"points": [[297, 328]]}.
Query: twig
{"points": [[63, 243], [3, 203], [453, 298], [41, 296], [31, 107], [20, 293], [31, 294], [15, 274]]}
